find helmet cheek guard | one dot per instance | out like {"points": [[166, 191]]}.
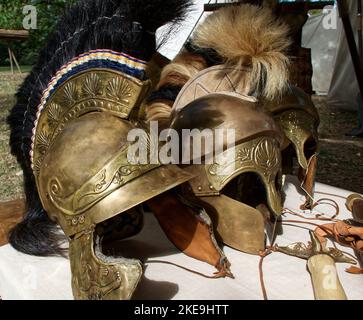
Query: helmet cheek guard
{"points": [[298, 118]]}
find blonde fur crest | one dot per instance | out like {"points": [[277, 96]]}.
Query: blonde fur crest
{"points": [[253, 36]]}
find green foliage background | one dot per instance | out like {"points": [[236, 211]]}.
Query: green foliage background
{"points": [[11, 17]]}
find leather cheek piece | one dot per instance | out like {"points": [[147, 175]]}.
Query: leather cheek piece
{"points": [[190, 231]]}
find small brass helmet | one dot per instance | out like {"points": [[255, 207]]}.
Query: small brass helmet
{"points": [[298, 118], [85, 177], [246, 177]]}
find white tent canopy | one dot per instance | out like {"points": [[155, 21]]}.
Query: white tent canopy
{"points": [[333, 68], [176, 42]]}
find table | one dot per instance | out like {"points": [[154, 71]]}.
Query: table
{"points": [[286, 278], [9, 36]]}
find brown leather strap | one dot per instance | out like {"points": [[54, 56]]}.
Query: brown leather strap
{"points": [[215, 276], [308, 182], [11, 213], [354, 270], [263, 255], [188, 231]]}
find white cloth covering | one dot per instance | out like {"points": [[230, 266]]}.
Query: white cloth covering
{"points": [[27, 277]]}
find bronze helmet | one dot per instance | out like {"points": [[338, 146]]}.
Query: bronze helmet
{"points": [[69, 132], [84, 175], [231, 191]]}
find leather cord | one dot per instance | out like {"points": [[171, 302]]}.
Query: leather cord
{"points": [[263, 255], [217, 275], [318, 217], [271, 249]]}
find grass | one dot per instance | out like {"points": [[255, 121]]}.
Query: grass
{"points": [[24, 69], [11, 180], [340, 157]]}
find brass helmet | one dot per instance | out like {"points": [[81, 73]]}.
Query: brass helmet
{"points": [[84, 174], [69, 132], [248, 178], [298, 118]]}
